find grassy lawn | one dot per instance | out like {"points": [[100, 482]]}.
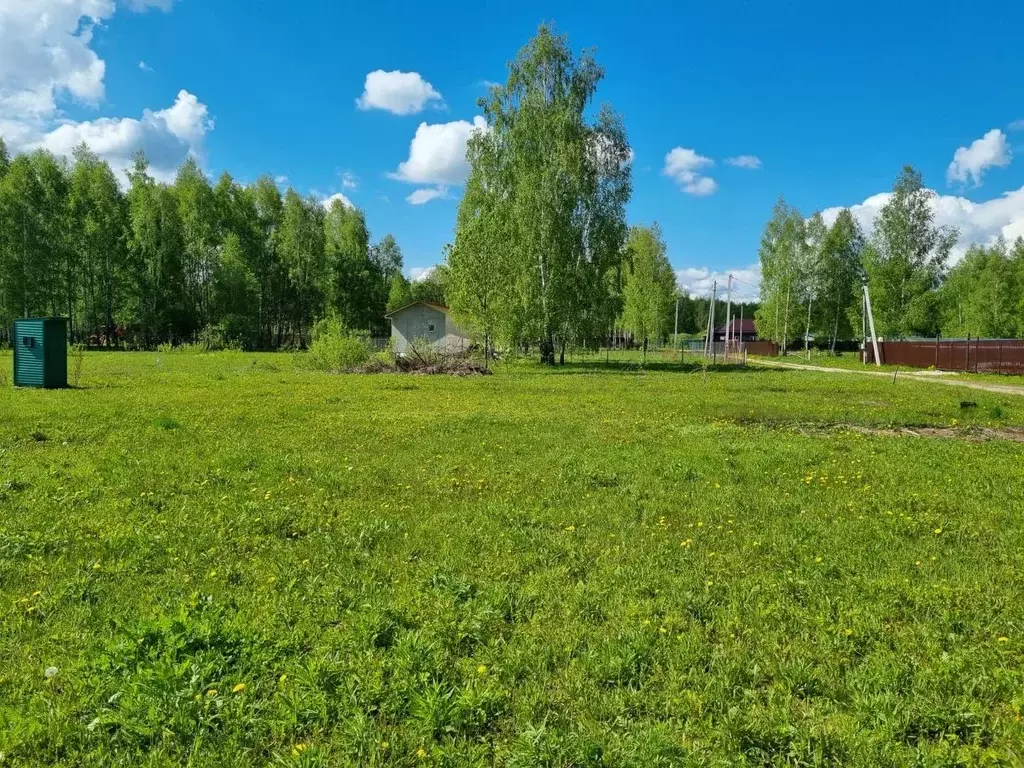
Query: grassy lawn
{"points": [[226, 560]]}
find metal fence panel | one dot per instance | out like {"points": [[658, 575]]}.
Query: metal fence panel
{"points": [[1004, 356]]}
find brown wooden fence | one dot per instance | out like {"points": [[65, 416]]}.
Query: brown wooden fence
{"points": [[763, 348], [975, 355]]}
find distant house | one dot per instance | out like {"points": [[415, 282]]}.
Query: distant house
{"points": [[742, 330], [424, 320]]}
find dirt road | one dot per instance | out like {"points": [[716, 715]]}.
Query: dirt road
{"points": [[952, 381]]}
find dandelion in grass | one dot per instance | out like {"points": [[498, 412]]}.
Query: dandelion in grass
{"points": [[298, 749], [211, 693], [238, 688], [421, 753], [1002, 639], [50, 672], [481, 670]]}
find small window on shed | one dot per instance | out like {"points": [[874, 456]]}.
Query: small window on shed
{"points": [[430, 328]]}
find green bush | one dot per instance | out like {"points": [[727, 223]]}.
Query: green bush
{"points": [[335, 349]]}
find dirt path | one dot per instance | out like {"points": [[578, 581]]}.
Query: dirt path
{"points": [[931, 379]]}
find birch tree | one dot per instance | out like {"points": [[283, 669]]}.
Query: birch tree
{"points": [[906, 260], [557, 184], [781, 252], [649, 285]]}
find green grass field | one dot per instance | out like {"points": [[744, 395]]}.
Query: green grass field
{"points": [[227, 560]]}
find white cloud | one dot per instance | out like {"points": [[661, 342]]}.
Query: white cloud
{"points": [[698, 281], [425, 195], [416, 274], [349, 180], [1016, 125], [685, 166], [750, 162], [167, 137], [145, 67], [981, 223], [702, 186], [46, 55], [990, 151], [401, 93], [437, 154], [328, 202], [281, 180]]}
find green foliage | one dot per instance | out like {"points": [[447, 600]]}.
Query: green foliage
{"points": [[559, 569], [785, 276], [160, 263], [545, 203], [905, 260], [983, 295], [334, 348], [433, 287], [649, 285], [400, 293]]}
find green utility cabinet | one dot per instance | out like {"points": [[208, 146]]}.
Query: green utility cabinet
{"points": [[41, 352]]}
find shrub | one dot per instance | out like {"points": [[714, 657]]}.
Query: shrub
{"points": [[334, 348]]}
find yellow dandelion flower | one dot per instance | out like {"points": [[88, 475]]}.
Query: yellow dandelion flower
{"points": [[211, 693], [570, 528], [238, 688], [817, 559], [37, 593], [1002, 639], [481, 670], [938, 531], [384, 745], [421, 753]]}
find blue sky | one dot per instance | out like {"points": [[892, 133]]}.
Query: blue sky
{"points": [[831, 98]]}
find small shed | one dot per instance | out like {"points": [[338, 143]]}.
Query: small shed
{"points": [[429, 321], [41, 352]]}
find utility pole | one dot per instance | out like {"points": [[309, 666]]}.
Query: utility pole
{"points": [[741, 336], [871, 323], [677, 318], [728, 317], [807, 331], [864, 327], [710, 341]]}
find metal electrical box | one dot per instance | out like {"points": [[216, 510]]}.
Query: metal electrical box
{"points": [[41, 352]]}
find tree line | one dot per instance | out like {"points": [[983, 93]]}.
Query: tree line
{"points": [[152, 263], [812, 275]]}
